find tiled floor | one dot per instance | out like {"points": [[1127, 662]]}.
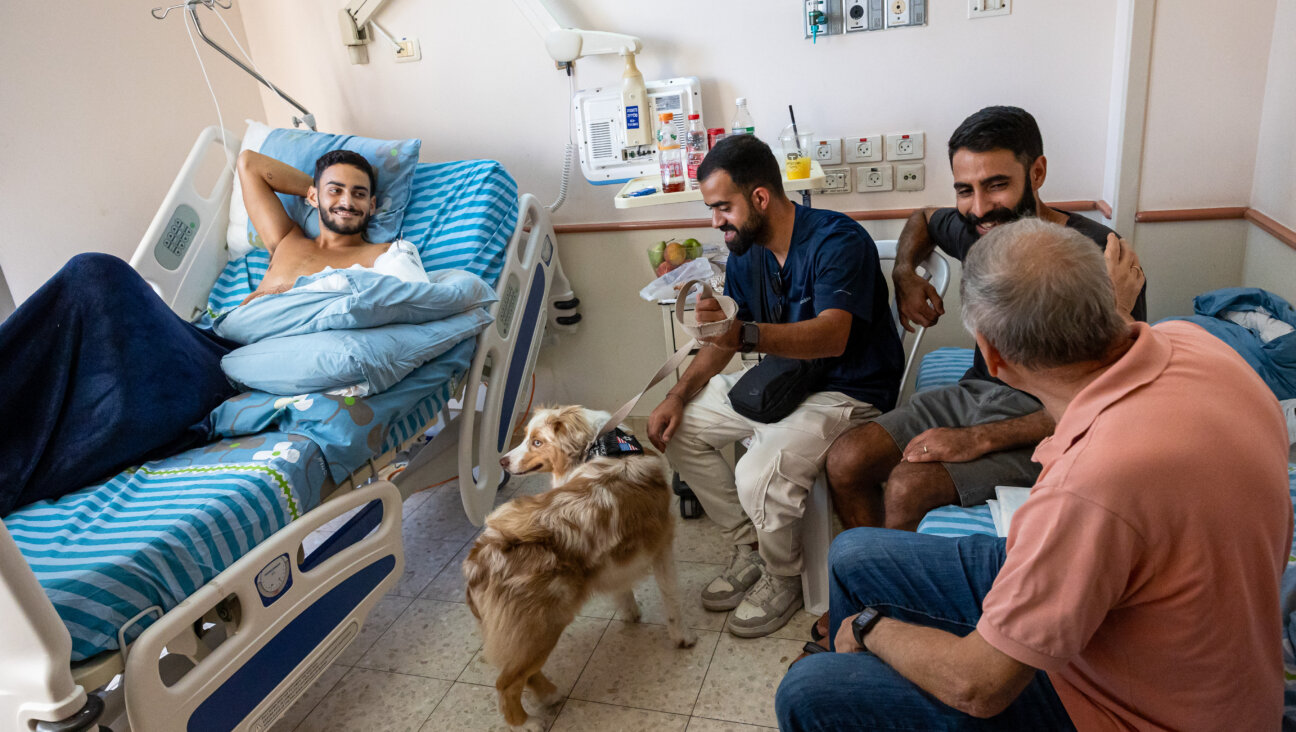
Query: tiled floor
{"points": [[416, 664]]}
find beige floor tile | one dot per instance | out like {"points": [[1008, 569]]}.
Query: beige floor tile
{"points": [[599, 606], [380, 619], [414, 502], [692, 578], [565, 663], [581, 716], [425, 557], [699, 724], [448, 585], [636, 665], [699, 540], [472, 708], [430, 638], [798, 628], [441, 517], [376, 700], [303, 706], [743, 677]]}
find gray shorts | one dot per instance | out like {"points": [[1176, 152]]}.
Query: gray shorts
{"points": [[965, 404]]}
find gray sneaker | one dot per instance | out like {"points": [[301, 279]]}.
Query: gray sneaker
{"points": [[727, 590], [768, 606]]}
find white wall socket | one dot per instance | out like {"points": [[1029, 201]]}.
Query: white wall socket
{"points": [[900, 13], [837, 180], [863, 149], [988, 8], [873, 178], [909, 176], [827, 151], [409, 50], [904, 146]]}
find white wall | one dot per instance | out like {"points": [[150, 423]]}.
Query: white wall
{"points": [[495, 92], [100, 104]]}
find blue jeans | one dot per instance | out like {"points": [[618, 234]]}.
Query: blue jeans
{"points": [[925, 580]]}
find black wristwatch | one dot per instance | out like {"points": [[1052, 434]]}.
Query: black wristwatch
{"points": [[863, 623], [749, 337]]}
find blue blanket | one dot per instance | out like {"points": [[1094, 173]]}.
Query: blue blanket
{"points": [[99, 374], [1275, 361]]}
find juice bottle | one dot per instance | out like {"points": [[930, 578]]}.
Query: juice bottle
{"points": [[669, 156], [695, 144]]}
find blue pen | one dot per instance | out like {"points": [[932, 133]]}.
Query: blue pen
{"points": [[643, 192]]}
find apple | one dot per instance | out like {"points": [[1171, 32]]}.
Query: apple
{"points": [[693, 248], [663, 268]]}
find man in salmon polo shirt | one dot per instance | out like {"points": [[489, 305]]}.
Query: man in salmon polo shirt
{"points": [[1138, 586]]}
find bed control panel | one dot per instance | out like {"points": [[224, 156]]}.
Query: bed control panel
{"points": [[273, 579], [176, 237]]}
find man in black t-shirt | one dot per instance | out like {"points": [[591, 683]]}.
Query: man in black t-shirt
{"points": [[955, 444]]}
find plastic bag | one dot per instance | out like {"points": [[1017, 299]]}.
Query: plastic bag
{"points": [[667, 286]]}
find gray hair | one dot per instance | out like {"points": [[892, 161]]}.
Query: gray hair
{"points": [[1040, 293]]}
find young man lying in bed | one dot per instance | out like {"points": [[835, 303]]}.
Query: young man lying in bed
{"points": [[99, 374]]}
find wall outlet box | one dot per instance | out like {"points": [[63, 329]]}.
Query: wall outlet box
{"points": [[863, 149], [863, 15], [409, 50], [900, 13], [827, 151], [988, 8], [904, 146], [909, 176], [873, 178], [837, 180]]}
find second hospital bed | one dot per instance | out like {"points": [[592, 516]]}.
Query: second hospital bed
{"points": [[203, 557]]}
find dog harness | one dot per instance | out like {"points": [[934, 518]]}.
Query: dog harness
{"points": [[614, 444]]}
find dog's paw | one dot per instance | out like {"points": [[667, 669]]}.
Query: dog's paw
{"points": [[687, 640], [532, 724]]}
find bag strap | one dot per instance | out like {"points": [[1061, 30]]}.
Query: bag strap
{"points": [[700, 331]]}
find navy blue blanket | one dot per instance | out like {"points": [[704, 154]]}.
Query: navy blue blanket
{"points": [[97, 374]]}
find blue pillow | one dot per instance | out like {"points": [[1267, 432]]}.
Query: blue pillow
{"points": [[393, 162], [373, 359]]}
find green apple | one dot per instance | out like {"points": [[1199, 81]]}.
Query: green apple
{"points": [[656, 253], [693, 247]]}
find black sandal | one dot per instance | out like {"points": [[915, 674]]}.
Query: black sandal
{"points": [[809, 649], [814, 629]]}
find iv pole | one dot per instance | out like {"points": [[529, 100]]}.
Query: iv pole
{"points": [[307, 118]]}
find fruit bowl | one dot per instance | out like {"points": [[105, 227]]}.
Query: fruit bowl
{"points": [[665, 256]]}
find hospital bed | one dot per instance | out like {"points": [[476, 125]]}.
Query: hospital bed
{"points": [[236, 613]]}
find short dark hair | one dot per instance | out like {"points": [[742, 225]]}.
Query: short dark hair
{"points": [[346, 157], [748, 161], [1000, 128]]}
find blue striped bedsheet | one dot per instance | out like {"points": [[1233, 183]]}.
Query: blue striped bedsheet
{"points": [[153, 535]]}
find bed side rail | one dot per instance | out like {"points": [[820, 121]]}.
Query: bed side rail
{"points": [[275, 621], [510, 345], [183, 250], [35, 677]]}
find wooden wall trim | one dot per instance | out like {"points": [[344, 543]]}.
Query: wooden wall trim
{"points": [[886, 214], [1104, 208], [1273, 228], [1220, 213]]}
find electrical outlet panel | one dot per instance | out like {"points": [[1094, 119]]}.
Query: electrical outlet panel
{"points": [[863, 15], [827, 152], [837, 180], [988, 8], [873, 178], [863, 149], [409, 50], [901, 13], [821, 18], [904, 146], [909, 176]]}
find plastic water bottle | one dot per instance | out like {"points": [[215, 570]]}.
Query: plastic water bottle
{"points": [[743, 123], [669, 156], [695, 143]]}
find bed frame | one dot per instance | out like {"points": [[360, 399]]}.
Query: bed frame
{"points": [[244, 647]]}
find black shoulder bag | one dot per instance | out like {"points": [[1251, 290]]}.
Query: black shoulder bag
{"points": [[775, 387]]}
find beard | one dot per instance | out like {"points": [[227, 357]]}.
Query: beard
{"points": [[345, 228], [753, 231], [1000, 215]]}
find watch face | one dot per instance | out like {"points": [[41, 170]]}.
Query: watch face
{"points": [[863, 623]]}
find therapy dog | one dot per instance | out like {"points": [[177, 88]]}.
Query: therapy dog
{"points": [[603, 525]]}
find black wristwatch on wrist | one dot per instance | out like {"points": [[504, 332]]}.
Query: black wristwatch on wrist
{"points": [[749, 337], [864, 622]]}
